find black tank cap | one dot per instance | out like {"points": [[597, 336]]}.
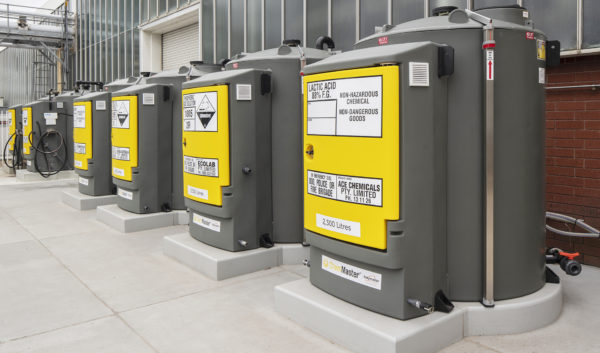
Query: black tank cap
{"points": [[292, 42], [443, 10]]}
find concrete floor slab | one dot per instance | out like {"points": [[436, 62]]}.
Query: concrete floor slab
{"points": [[98, 336], [25, 175], [38, 294], [79, 201], [126, 222], [366, 331], [215, 263], [13, 233], [234, 318]]}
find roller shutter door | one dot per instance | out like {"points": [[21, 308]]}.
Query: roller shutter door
{"points": [[180, 46]]}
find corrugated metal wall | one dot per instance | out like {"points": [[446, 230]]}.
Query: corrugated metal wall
{"points": [[180, 46], [25, 75], [16, 75]]}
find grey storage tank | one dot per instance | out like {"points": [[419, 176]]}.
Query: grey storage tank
{"points": [[91, 132], [147, 166], [494, 203], [277, 140], [48, 125]]}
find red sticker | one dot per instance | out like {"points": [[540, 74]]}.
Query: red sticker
{"points": [[235, 65], [382, 40], [530, 35]]}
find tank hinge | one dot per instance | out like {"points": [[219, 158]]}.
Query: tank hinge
{"points": [[265, 84]]}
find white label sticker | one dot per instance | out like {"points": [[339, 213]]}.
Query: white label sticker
{"points": [[59, 105], [542, 75], [29, 163], [120, 153], [364, 191], [345, 107], [207, 222], [84, 181], [79, 116], [10, 121], [79, 148], [118, 171], [352, 273], [196, 192], [100, 105], [243, 92], [338, 225], [489, 65], [125, 194], [200, 112], [525, 14], [50, 118], [78, 164], [120, 114], [24, 117], [201, 166], [148, 98]]}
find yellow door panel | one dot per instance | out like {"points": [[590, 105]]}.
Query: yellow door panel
{"points": [[205, 142], [26, 118], [12, 128], [352, 154], [82, 134], [124, 136]]}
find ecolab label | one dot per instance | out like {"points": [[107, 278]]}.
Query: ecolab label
{"points": [[364, 191], [345, 107], [201, 166], [206, 222], [84, 181], [118, 171], [125, 194], [338, 225], [351, 273], [196, 192]]}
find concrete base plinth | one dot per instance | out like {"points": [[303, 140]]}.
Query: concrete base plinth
{"points": [[364, 331], [83, 202], [221, 264], [126, 222], [25, 175]]}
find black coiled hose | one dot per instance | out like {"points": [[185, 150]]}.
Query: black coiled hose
{"points": [[17, 155], [42, 147]]}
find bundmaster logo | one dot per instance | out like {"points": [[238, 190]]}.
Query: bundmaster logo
{"points": [[352, 273]]}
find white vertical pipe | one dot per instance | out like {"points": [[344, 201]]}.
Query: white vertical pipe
{"points": [[214, 34], [329, 19]]}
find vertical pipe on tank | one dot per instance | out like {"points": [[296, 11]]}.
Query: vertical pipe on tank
{"points": [[426, 7], [470, 4], [488, 46]]}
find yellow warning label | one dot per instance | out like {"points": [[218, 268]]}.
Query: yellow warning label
{"points": [[124, 136], [82, 134], [26, 119], [12, 128], [205, 143], [352, 168], [541, 49]]}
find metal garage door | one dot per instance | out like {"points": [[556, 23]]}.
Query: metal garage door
{"points": [[180, 46]]}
